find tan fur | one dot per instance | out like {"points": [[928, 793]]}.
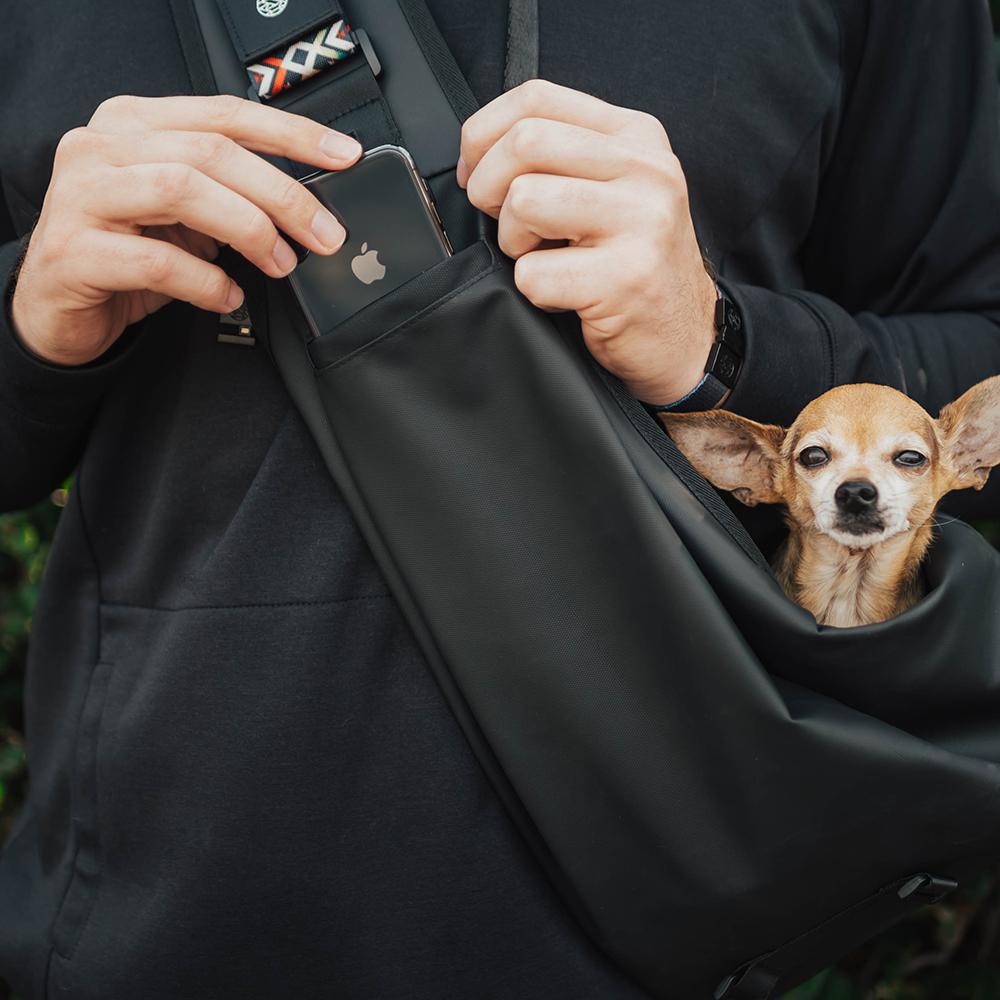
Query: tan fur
{"points": [[842, 578]]}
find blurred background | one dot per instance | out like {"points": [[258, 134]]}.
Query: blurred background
{"points": [[947, 952]]}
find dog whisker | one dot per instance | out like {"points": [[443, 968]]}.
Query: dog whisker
{"points": [[939, 523]]}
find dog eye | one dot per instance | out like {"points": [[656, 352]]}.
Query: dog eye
{"points": [[910, 459], [814, 457]]}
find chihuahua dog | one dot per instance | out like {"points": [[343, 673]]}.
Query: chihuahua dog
{"points": [[859, 472]]}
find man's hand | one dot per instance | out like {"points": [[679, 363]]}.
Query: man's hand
{"points": [[140, 201], [602, 183]]}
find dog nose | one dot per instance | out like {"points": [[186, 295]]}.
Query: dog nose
{"points": [[856, 496]]}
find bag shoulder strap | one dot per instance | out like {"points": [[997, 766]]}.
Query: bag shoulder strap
{"points": [[521, 56]]}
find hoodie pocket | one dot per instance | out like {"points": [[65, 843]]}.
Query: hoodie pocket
{"points": [[81, 890]]}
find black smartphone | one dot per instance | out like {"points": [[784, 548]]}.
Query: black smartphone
{"points": [[393, 233]]}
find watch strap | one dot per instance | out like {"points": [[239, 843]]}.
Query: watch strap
{"points": [[725, 360], [706, 395]]}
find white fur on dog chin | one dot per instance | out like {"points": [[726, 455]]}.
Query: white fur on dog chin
{"points": [[866, 541]]}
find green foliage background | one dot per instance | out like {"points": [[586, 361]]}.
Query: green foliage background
{"points": [[24, 545], [946, 952]]}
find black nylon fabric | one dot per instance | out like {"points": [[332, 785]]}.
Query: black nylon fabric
{"points": [[695, 756]]}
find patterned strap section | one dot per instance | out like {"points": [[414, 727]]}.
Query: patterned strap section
{"points": [[292, 64]]}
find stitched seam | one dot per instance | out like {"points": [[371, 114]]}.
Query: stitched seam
{"points": [[18, 206], [183, 36], [14, 411], [280, 425], [232, 26], [860, 904], [99, 881], [92, 552], [353, 107], [422, 315], [241, 607], [11, 287], [440, 173], [820, 319], [779, 184], [53, 950], [841, 101], [892, 344], [668, 453], [506, 51], [185, 55], [439, 58], [389, 123]]}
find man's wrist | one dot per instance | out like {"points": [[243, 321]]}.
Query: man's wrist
{"points": [[722, 367], [14, 308], [708, 394], [19, 324]]}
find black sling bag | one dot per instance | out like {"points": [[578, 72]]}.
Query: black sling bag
{"points": [[728, 796]]}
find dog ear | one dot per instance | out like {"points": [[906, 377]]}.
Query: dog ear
{"points": [[970, 431], [731, 452]]}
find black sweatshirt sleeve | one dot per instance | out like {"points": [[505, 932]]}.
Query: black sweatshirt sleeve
{"points": [[902, 262], [45, 410]]}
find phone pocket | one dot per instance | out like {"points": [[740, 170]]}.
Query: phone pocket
{"points": [[403, 307]]}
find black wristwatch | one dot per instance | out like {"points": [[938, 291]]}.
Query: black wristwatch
{"points": [[725, 360]]}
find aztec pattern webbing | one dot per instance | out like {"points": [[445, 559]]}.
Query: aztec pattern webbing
{"points": [[295, 63]]}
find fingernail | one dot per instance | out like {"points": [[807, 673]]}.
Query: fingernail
{"points": [[328, 230], [234, 297], [340, 147], [283, 256], [461, 173]]}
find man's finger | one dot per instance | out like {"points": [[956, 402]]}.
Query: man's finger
{"points": [[121, 262], [162, 194], [187, 239], [561, 278], [253, 125], [540, 207], [542, 146], [290, 205], [534, 99]]}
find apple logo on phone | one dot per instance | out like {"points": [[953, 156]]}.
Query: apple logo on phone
{"points": [[366, 266]]}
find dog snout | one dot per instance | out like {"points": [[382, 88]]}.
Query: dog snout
{"points": [[856, 496]]}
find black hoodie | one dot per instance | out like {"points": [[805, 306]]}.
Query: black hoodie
{"points": [[244, 782]]}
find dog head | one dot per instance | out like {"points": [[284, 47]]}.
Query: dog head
{"points": [[860, 464]]}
